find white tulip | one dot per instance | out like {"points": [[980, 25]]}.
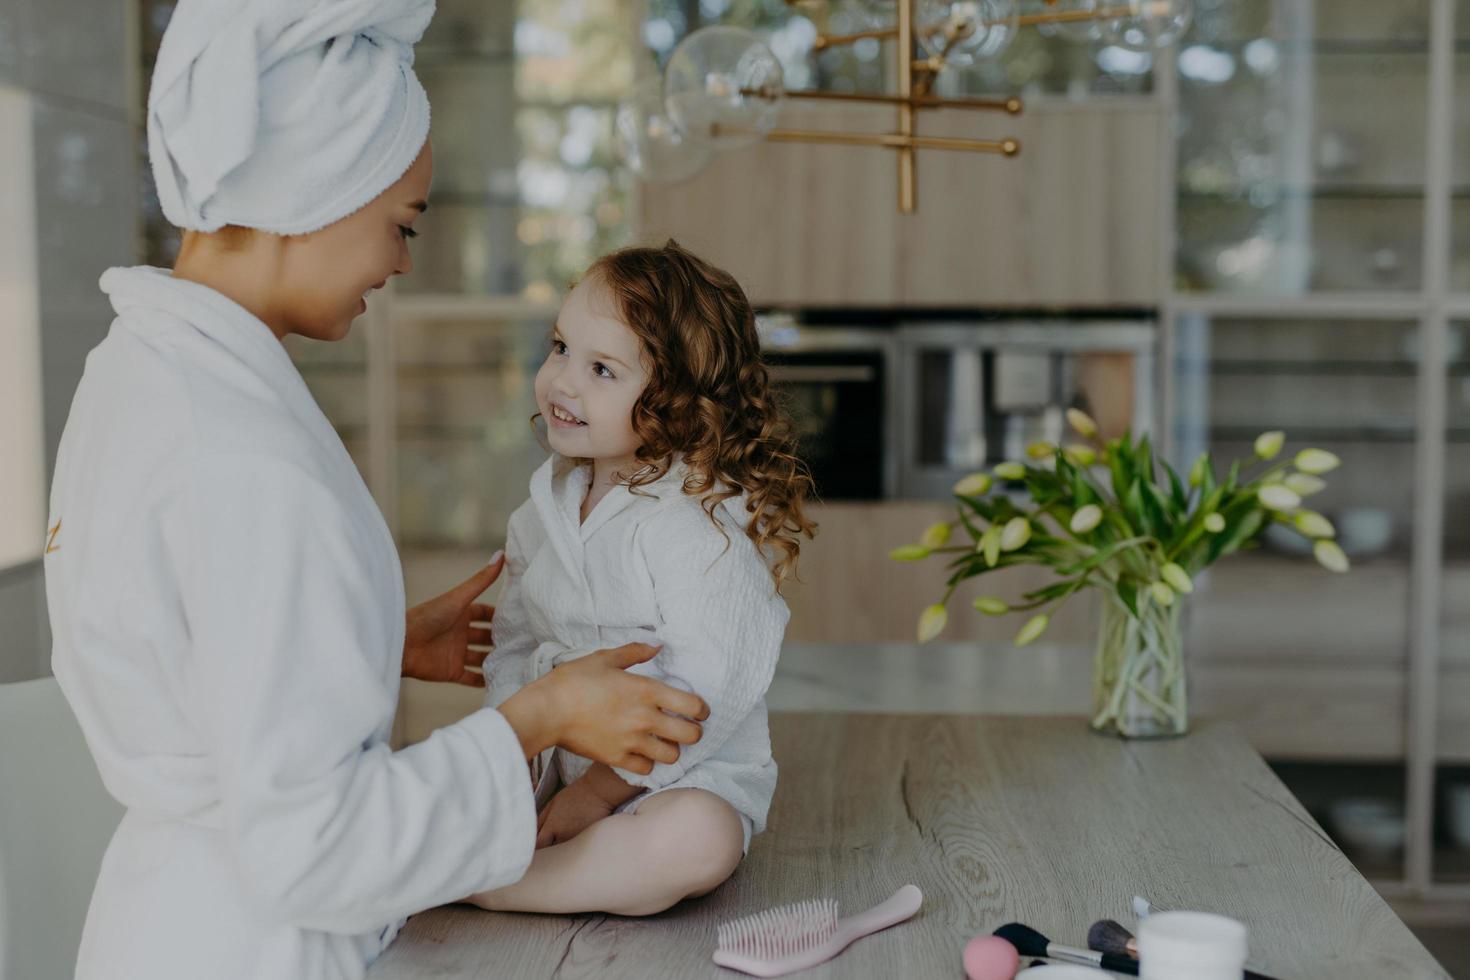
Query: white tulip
{"points": [[1199, 469], [1162, 594], [1087, 517], [932, 622], [1080, 455], [974, 485], [1015, 534], [1277, 496], [1314, 525], [1315, 462], [990, 545], [1268, 444], [936, 535], [1034, 627], [1305, 484], [1082, 422], [1176, 578], [1330, 556], [1010, 471]]}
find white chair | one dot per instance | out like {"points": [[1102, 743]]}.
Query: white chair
{"points": [[55, 821]]}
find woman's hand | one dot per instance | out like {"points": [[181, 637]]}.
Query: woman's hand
{"points": [[436, 641], [594, 708]]}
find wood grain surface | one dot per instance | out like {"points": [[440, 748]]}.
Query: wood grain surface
{"points": [[997, 819]]}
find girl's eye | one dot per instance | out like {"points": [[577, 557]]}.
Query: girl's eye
{"points": [[407, 232], [557, 347], [602, 370]]}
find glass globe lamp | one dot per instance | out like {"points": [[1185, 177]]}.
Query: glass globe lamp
{"points": [[649, 142], [966, 32], [723, 87]]}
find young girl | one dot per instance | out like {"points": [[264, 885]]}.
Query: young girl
{"points": [[669, 513]]}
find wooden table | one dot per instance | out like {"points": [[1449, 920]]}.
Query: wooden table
{"points": [[997, 819]]}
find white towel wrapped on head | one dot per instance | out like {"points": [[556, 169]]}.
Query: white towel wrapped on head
{"points": [[284, 115]]}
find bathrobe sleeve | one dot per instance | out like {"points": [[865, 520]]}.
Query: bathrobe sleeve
{"points": [[721, 623], [293, 647]]}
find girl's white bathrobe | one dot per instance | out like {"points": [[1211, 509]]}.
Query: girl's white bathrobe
{"points": [[228, 613], [647, 566]]}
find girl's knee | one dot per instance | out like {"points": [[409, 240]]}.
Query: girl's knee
{"points": [[705, 836]]}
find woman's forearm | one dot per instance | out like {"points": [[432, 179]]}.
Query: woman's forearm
{"points": [[529, 715]]}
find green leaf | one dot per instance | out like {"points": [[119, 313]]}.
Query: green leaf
{"points": [[1118, 466], [1211, 502], [1100, 557], [1236, 534], [1233, 480], [1207, 486], [1195, 528], [983, 507], [1137, 513], [1144, 454], [1082, 491], [1068, 474], [970, 527], [1176, 489], [1054, 591], [1043, 485], [1128, 592], [1159, 510], [973, 566]]}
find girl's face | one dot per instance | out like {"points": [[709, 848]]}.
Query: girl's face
{"points": [[592, 376]]}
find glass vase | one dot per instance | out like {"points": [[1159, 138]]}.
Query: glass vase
{"points": [[1138, 688]]}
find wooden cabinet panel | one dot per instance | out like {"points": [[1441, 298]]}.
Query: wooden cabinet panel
{"points": [[798, 225], [1074, 221]]}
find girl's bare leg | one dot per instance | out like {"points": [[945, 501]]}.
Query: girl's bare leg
{"points": [[679, 844]]}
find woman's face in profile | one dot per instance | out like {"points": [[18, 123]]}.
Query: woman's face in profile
{"points": [[327, 274]]}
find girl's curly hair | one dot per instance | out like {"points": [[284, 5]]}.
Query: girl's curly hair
{"points": [[708, 396]]}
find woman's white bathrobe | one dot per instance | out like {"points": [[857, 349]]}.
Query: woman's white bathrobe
{"points": [[228, 613], [647, 566]]}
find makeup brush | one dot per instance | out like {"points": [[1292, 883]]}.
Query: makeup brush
{"points": [[1029, 942], [1107, 936]]}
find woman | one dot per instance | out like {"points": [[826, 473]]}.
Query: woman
{"points": [[227, 605]]}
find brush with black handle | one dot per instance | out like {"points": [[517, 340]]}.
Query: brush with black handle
{"points": [[1112, 939], [1029, 942]]}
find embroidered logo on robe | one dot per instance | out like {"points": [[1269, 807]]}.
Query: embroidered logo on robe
{"points": [[51, 544]]}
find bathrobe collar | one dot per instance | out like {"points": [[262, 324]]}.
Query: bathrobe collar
{"points": [[140, 293], [559, 486]]}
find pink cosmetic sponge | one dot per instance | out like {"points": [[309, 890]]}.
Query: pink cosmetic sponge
{"points": [[991, 958]]}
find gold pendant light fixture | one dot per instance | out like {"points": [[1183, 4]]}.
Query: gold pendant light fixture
{"points": [[723, 87]]}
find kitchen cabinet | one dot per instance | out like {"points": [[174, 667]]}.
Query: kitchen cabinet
{"points": [[1073, 221]]}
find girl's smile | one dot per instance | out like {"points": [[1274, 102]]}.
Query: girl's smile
{"points": [[563, 418]]}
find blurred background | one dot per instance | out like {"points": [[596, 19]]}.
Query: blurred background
{"points": [[1265, 224]]}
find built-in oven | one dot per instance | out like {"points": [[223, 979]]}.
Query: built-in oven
{"points": [[903, 409], [973, 394], [835, 383]]}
